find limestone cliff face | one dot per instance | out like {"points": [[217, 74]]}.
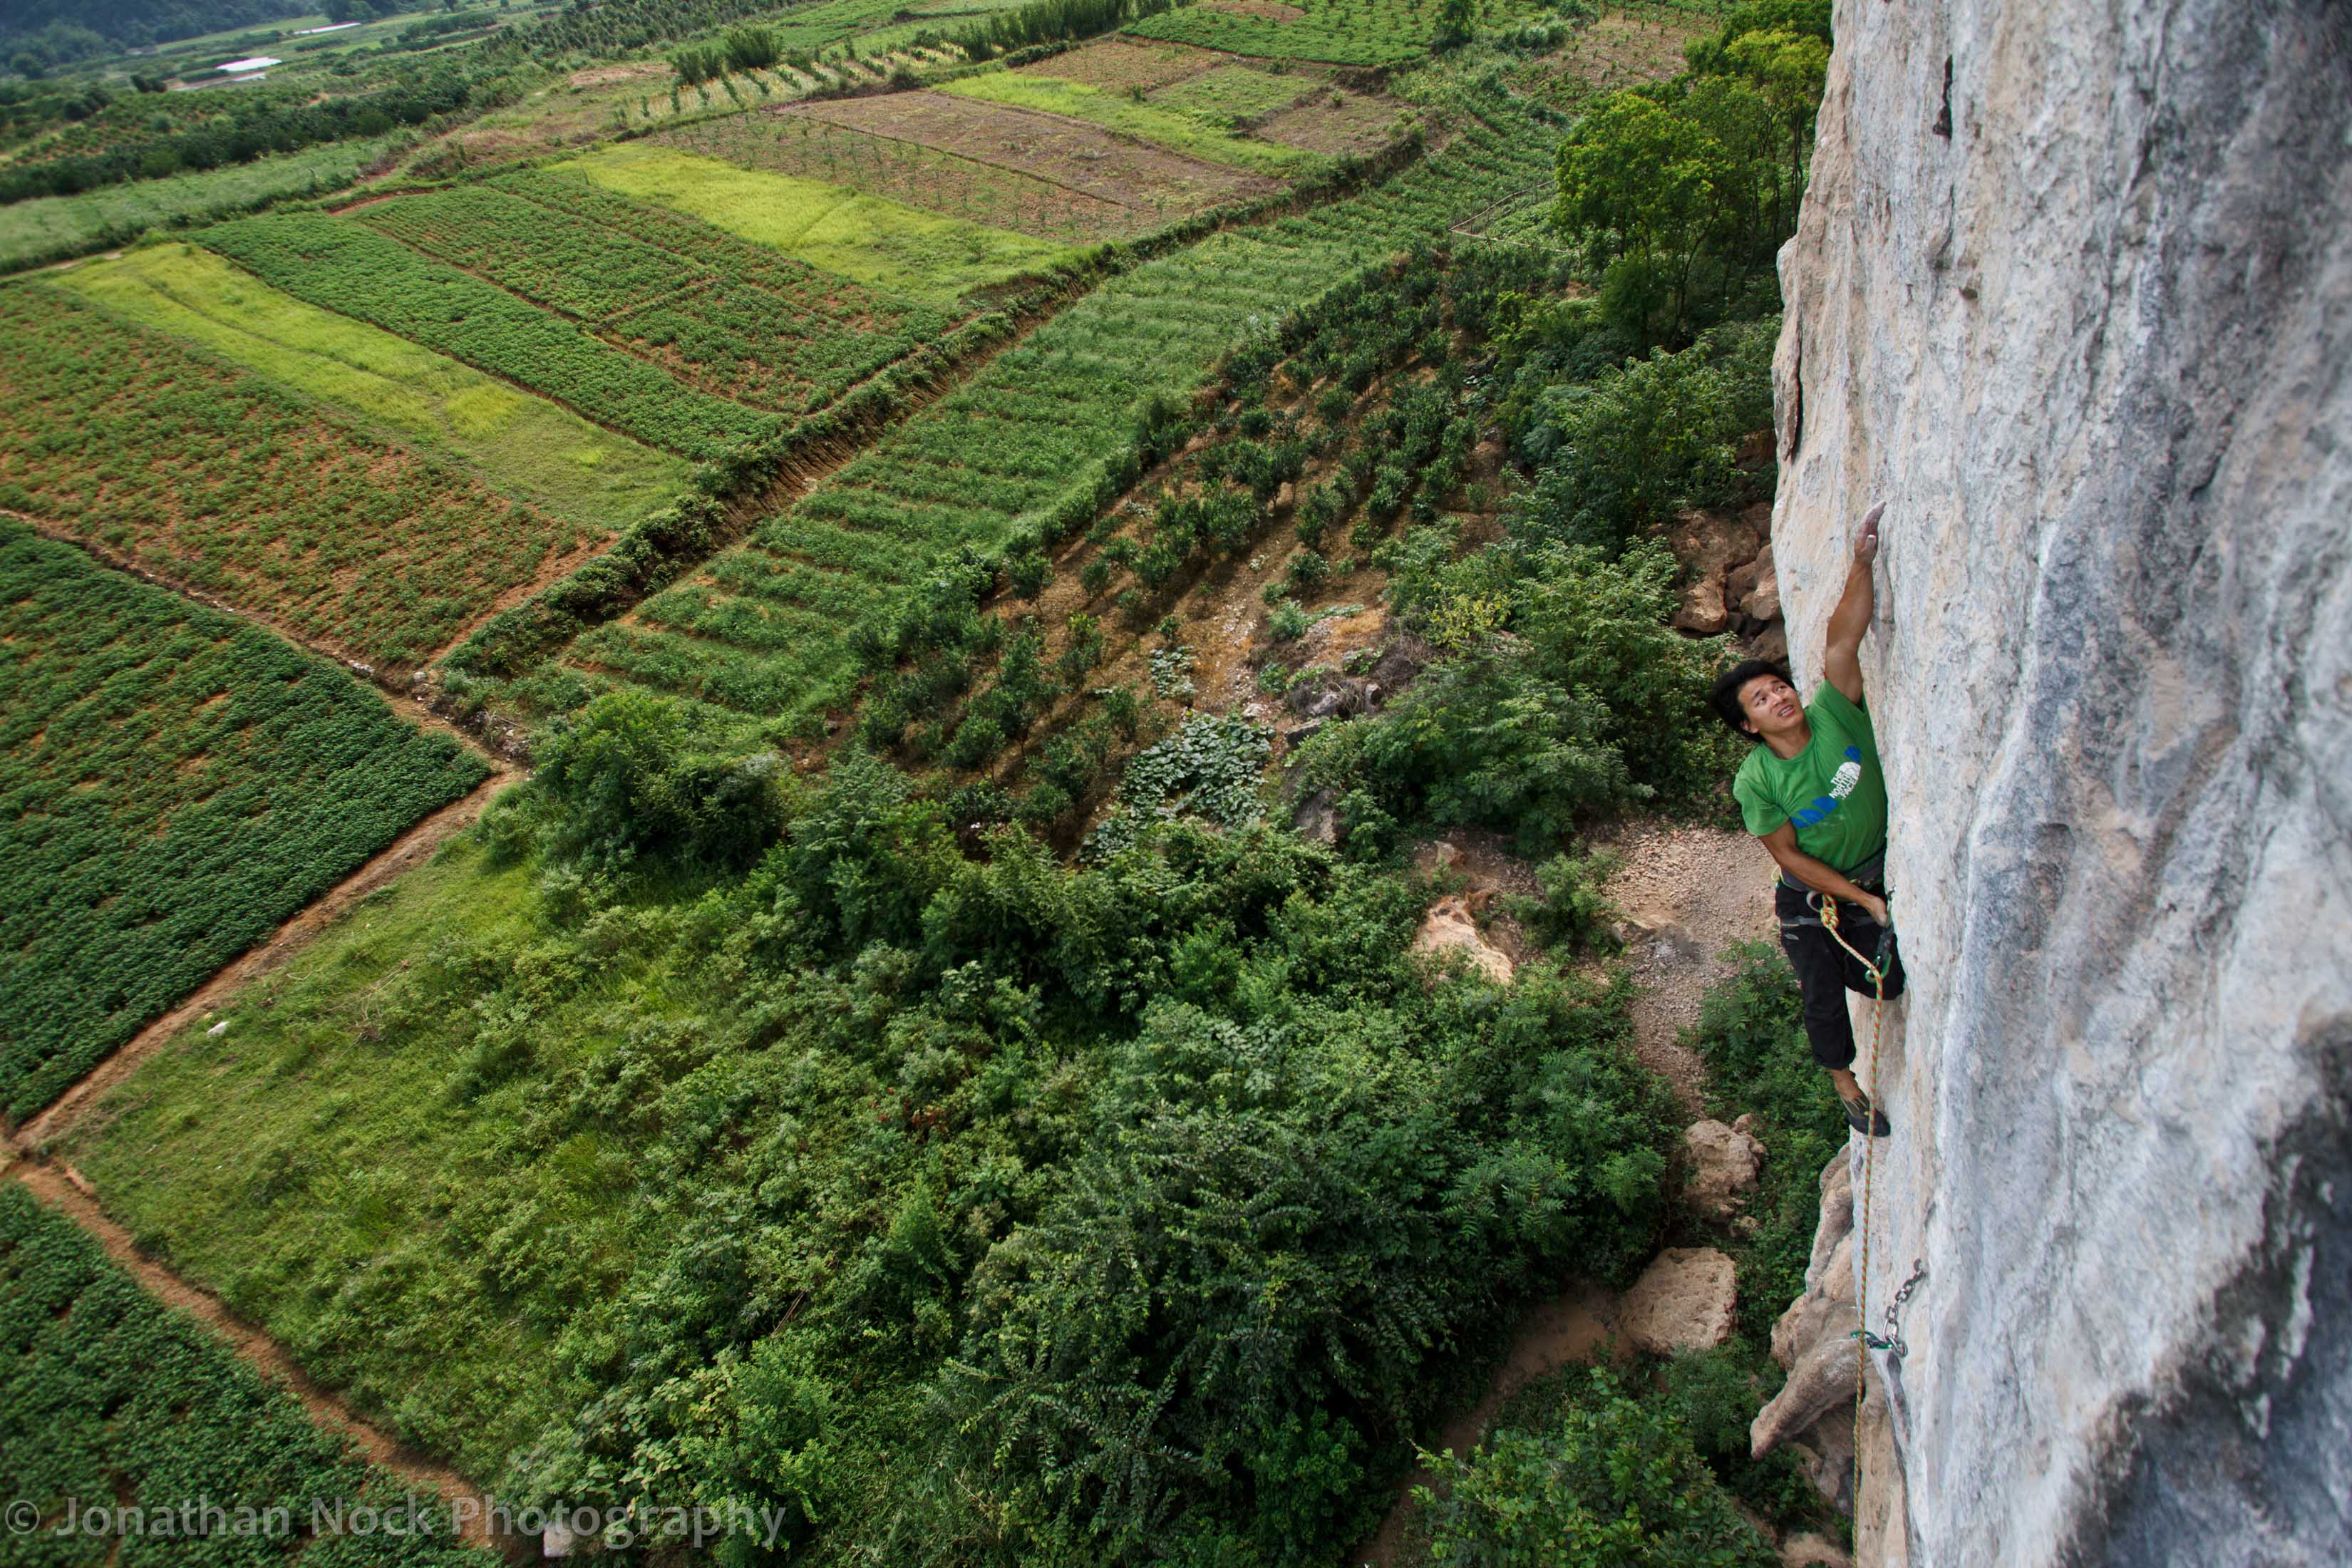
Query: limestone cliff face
{"points": [[2073, 291]]}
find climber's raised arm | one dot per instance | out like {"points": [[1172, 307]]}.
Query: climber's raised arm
{"points": [[1841, 649]]}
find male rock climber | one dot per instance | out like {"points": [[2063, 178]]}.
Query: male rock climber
{"points": [[1813, 790]]}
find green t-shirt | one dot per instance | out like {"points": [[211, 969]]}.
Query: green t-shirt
{"points": [[1834, 790]]}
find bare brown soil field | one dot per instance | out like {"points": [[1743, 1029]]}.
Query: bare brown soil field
{"points": [[1114, 65], [1335, 124], [1051, 147]]}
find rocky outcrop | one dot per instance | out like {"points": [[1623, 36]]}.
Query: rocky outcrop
{"points": [[2071, 293], [1723, 1165], [1449, 932], [1687, 1300], [1814, 1342]]}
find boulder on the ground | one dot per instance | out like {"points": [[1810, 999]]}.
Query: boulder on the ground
{"points": [[1723, 1161], [1709, 545], [1811, 1551], [1451, 928], [1684, 1301]]}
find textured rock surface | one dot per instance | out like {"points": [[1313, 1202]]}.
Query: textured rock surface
{"points": [[1723, 1164], [1451, 928], [2073, 291], [1815, 1341], [1687, 1300]]}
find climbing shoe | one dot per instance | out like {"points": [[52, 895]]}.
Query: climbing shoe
{"points": [[1863, 1117]]}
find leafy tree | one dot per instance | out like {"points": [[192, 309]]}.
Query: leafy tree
{"points": [[633, 779]]}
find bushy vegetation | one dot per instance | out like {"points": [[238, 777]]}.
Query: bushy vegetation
{"points": [[1616, 1481], [254, 130], [217, 478], [172, 784], [1753, 1043], [1338, 32], [977, 1208], [349, 268], [110, 1401]]}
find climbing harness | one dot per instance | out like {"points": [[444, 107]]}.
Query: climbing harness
{"points": [[1876, 969]]}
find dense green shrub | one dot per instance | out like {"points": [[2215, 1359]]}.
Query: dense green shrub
{"points": [[1571, 697], [633, 778], [1621, 452], [1615, 1483]]}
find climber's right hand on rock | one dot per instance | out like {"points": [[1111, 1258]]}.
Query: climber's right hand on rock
{"points": [[1865, 544]]}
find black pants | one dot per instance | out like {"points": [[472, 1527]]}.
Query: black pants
{"points": [[1826, 971]]}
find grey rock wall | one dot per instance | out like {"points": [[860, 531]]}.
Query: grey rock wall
{"points": [[2083, 318]]}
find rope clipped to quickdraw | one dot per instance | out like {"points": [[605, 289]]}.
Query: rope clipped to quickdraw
{"points": [[1876, 970]]}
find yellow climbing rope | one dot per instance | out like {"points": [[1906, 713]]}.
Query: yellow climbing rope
{"points": [[1869, 1172]]}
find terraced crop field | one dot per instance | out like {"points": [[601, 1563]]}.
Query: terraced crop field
{"points": [[721, 316], [173, 783], [344, 266], [1144, 121], [213, 477], [527, 447], [1037, 437], [708, 172]]}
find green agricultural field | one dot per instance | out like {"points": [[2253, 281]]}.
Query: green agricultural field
{"points": [[880, 242], [526, 446], [114, 1401], [725, 316], [1146, 122], [51, 229], [215, 478], [1333, 32], [1040, 436], [277, 1226], [173, 783], [346, 267]]}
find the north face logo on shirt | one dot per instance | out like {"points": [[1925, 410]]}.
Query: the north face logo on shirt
{"points": [[1849, 775]]}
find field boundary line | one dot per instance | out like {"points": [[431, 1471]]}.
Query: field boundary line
{"points": [[61, 1188], [384, 680], [412, 848]]}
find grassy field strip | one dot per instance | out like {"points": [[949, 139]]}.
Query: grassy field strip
{"points": [[173, 784], [986, 465], [528, 446], [345, 267], [882, 244], [219, 482], [129, 1387], [1231, 94], [1145, 122], [52, 228], [475, 1388]]}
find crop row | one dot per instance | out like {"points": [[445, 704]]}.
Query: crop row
{"points": [[1028, 451], [173, 783], [111, 1402], [349, 268], [790, 342], [219, 480]]}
